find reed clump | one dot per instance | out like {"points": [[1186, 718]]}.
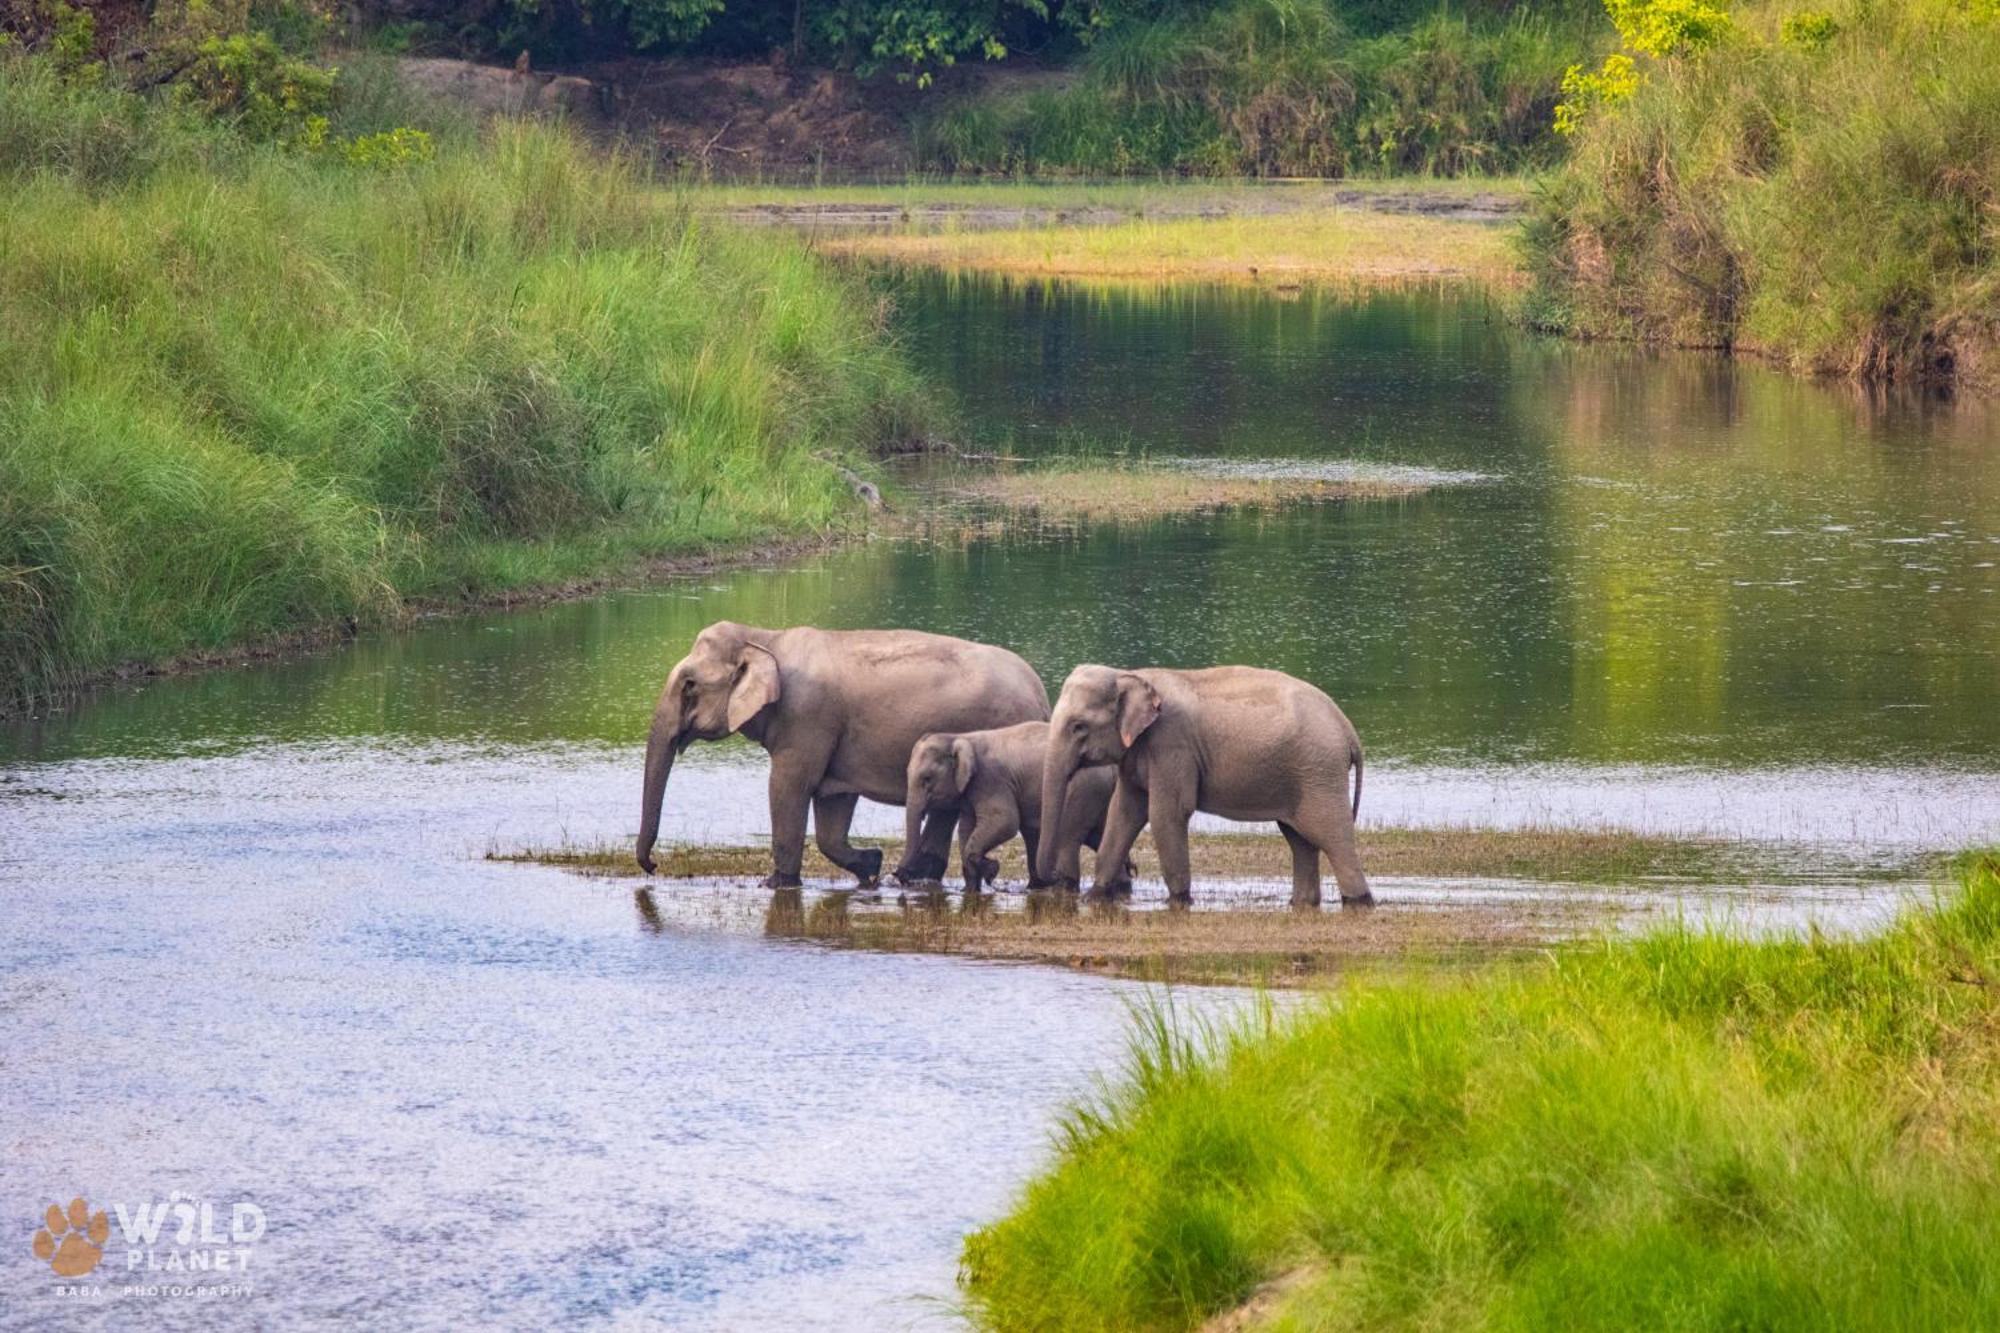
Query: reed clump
{"points": [[247, 388]]}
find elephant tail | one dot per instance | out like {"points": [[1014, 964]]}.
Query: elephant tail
{"points": [[1354, 753]]}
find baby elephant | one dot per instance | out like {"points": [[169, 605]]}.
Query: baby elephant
{"points": [[994, 778]]}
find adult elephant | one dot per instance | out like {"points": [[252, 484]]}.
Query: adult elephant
{"points": [[1240, 742], [838, 711]]}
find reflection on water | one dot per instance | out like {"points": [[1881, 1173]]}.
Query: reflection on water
{"points": [[252, 950]]}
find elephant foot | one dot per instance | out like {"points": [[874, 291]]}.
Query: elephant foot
{"points": [[989, 870], [1106, 889], [867, 865], [922, 868], [1361, 900], [1180, 902], [779, 880]]}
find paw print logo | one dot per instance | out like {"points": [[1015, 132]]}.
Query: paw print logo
{"points": [[72, 1243]]}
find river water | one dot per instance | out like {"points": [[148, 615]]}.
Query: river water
{"points": [[254, 955]]}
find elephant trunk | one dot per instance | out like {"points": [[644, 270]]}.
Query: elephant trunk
{"points": [[1057, 770], [916, 866], [662, 744]]}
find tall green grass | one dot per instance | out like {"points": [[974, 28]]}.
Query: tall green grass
{"points": [[245, 391], [1826, 203], [1683, 1131], [1284, 88]]}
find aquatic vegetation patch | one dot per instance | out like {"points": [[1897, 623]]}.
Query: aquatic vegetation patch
{"points": [[1338, 245], [1687, 1128], [1090, 492]]}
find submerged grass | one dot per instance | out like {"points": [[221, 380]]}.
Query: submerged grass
{"points": [[1090, 493], [245, 391], [1338, 245], [1686, 1130]]}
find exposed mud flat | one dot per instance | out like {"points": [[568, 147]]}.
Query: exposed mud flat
{"points": [[1444, 896]]}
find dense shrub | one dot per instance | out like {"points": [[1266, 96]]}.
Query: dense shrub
{"points": [[1281, 87], [1817, 187]]}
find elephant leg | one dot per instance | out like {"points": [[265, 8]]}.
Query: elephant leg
{"points": [[791, 793], [988, 831], [1122, 825], [1169, 818], [1305, 867], [831, 817], [1031, 838], [1329, 825], [1070, 839], [934, 841]]}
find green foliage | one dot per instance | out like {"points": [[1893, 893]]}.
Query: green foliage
{"points": [[1609, 85], [1666, 29], [399, 147], [1808, 29], [247, 78], [246, 390], [1826, 203], [1278, 87], [1688, 1130]]}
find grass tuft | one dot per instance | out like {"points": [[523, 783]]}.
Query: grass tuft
{"points": [[245, 391], [1688, 1130]]}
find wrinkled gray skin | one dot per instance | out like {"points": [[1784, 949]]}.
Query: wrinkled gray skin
{"points": [[838, 711], [993, 779], [1239, 742]]}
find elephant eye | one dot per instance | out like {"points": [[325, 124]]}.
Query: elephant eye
{"points": [[1079, 728]]}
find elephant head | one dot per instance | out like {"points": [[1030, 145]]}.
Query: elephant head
{"points": [[1100, 714], [726, 679], [941, 767]]}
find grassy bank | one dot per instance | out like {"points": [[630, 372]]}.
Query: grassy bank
{"points": [[1685, 1131], [1816, 187], [246, 389], [1339, 245], [1313, 88]]}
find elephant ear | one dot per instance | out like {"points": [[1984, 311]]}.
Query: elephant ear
{"points": [[963, 762], [756, 686], [1138, 707]]}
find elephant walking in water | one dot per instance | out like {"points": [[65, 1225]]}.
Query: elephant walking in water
{"points": [[1239, 742], [838, 711], [994, 779]]}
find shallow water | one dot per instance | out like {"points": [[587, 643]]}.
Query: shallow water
{"points": [[253, 954]]}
